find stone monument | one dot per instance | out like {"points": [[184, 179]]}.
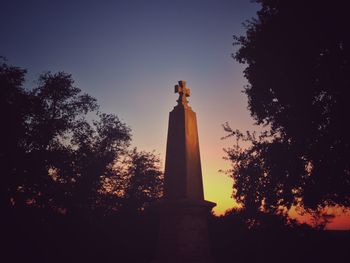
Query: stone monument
{"points": [[183, 233]]}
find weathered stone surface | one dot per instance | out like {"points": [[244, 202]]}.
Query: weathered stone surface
{"points": [[183, 233]]}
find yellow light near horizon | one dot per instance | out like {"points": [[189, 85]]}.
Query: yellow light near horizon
{"points": [[218, 189]]}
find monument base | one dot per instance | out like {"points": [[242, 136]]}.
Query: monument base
{"points": [[183, 234]]}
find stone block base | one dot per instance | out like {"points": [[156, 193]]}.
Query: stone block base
{"points": [[183, 234]]}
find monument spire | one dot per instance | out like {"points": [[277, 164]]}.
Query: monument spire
{"points": [[183, 234]]}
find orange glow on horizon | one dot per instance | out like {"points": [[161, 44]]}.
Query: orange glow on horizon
{"points": [[341, 221], [218, 189]]}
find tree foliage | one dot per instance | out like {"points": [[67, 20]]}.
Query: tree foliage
{"points": [[69, 180], [143, 180], [55, 158], [297, 57], [267, 175], [14, 104]]}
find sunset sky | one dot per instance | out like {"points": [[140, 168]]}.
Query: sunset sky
{"points": [[129, 55]]}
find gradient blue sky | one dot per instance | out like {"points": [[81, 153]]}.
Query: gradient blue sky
{"points": [[130, 54]]}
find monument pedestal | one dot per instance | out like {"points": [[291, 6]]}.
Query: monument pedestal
{"points": [[183, 233]]}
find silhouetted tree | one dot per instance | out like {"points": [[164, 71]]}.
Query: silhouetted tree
{"points": [[54, 158], [143, 180], [14, 108], [55, 108], [66, 178], [266, 172], [298, 66], [96, 148]]}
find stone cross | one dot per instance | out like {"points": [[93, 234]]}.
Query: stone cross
{"points": [[183, 92]]}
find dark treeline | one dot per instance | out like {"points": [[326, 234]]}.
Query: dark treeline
{"points": [[272, 238], [71, 187]]}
